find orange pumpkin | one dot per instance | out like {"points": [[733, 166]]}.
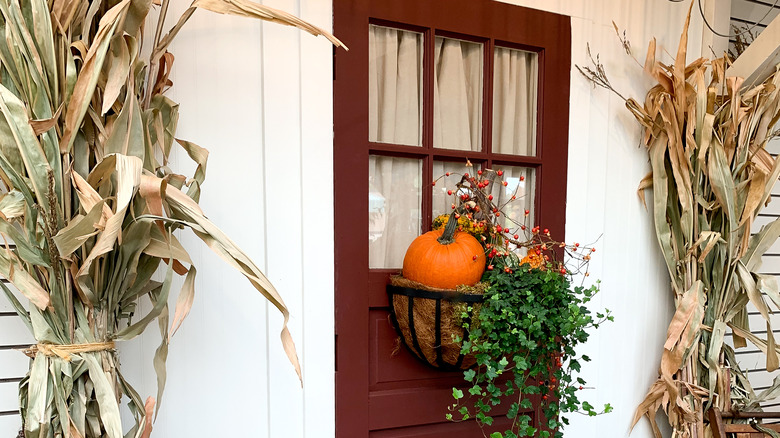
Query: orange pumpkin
{"points": [[445, 259]]}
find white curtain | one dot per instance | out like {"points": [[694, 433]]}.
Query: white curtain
{"points": [[515, 80], [457, 95], [395, 116], [394, 209], [395, 86]]}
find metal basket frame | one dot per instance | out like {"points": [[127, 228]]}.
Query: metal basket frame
{"points": [[413, 345]]}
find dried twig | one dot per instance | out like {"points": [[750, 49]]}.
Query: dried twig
{"points": [[596, 74]]}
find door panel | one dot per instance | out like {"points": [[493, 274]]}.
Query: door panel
{"points": [[464, 430], [392, 366]]}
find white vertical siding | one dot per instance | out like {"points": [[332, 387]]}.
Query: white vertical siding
{"points": [[316, 121], [259, 97]]}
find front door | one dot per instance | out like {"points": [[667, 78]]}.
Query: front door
{"points": [[427, 87]]}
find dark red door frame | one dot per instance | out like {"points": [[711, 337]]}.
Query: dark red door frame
{"points": [[493, 22]]}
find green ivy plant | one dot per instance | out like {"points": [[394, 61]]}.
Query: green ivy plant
{"points": [[524, 339]]}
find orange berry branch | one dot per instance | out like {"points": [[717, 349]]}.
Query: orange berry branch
{"points": [[475, 209]]}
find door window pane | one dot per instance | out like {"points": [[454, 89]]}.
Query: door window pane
{"points": [[457, 95], [515, 80], [442, 202], [394, 217], [521, 183], [395, 86]]}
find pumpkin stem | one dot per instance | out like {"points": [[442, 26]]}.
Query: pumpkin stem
{"points": [[447, 236]]}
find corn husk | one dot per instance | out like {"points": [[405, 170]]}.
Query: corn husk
{"points": [[90, 205], [711, 175]]}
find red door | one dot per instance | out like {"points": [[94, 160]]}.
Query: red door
{"points": [[426, 86]]}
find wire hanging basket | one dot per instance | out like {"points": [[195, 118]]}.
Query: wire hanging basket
{"points": [[432, 323]]}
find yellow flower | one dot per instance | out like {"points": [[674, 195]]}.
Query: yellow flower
{"points": [[464, 223]]}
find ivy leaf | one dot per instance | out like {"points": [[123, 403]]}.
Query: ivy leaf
{"points": [[521, 363], [514, 408], [457, 393]]}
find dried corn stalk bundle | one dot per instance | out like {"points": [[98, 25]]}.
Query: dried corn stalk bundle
{"points": [[711, 175], [90, 204]]}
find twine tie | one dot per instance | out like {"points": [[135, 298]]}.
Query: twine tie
{"points": [[66, 350]]}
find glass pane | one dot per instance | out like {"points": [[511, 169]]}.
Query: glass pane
{"points": [[515, 80], [394, 217], [521, 183], [442, 201], [457, 95], [395, 86]]}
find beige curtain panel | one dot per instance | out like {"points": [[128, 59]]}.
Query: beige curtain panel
{"points": [[395, 116], [515, 82], [395, 86], [457, 95]]}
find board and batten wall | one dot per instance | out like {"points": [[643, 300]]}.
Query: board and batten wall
{"points": [[258, 96], [606, 163]]}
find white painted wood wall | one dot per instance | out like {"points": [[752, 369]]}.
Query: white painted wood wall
{"points": [[246, 90], [606, 163], [258, 96]]}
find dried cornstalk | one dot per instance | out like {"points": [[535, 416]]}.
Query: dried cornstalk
{"points": [[91, 205], [711, 175]]}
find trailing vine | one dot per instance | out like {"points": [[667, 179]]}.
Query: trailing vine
{"points": [[525, 340]]}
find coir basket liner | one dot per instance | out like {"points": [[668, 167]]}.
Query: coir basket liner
{"points": [[428, 320]]}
